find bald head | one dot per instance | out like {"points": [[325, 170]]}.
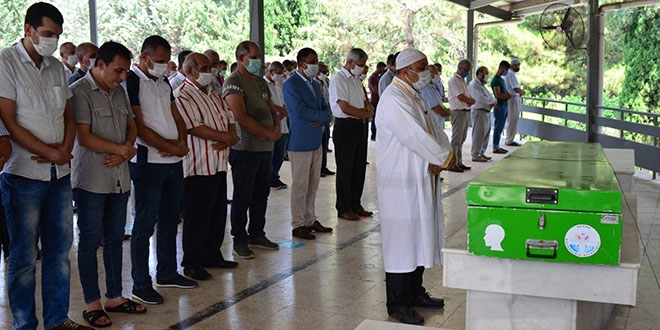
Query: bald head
{"points": [[196, 62]]}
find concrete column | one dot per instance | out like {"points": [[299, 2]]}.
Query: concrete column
{"points": [[595, 60], [257, 24], [470, 41], [93, 23]]}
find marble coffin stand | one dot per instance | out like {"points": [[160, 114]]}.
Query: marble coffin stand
{"points": [[519, 294]]}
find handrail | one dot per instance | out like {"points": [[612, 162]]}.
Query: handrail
{"points": [[554, 101], [652, 114]]}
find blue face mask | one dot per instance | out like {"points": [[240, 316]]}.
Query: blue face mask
{"points": [[465, 74], [254, 67], [505, 73]]}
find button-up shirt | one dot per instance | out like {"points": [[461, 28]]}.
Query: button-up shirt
{"points": [[511, 82], [41, 96], [276, 97], [457, 86], [108, 115], [481, 95], [203, 108], [344, 86]]}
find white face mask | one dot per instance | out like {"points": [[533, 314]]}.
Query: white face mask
{"points": [[92, 62], [46, 46], [158, 70], [357, 71], [362, 77], [311, 70], [72, 60], [485, 80], [323, 76], [277, 77], [205, 78], [424, 78]]}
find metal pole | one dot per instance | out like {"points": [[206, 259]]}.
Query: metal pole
{"points": [[594, 70], [470, 40], [257, 24], [93, 23]]}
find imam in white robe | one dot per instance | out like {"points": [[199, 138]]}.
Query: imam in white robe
{"points": [[411, 218]]}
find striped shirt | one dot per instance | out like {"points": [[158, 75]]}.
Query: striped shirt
{"points": [[198, 108]]}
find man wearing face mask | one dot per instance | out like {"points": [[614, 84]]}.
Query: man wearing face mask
{"points": [[387, 76], [322, 79], [308, 113], [180, 76], [211, 131], [501, 109], [460, 102], [352, 110], [274, 77], [434, 100], [69, 58], [216, 70], [86, 52], [513, 88], [35, 181], [480, 114], [408, 158], [156, 171], [437, 82], [249, 99]]}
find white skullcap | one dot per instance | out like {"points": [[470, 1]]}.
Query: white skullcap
{"points": [[407, 57], [515, 61]]}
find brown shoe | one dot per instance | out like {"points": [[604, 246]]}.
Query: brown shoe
{"points": [[70, 325], [464, 167], [349, 216], [500, 151], [480, 159], [302, 232], [364, 213], [488, 158], [318, 227], [455, 168]]}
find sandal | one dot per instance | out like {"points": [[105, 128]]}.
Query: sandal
{"points": [[93, 316], [128, 307]]}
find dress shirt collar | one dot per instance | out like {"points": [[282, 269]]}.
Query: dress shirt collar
{"points": [[45, 60]]}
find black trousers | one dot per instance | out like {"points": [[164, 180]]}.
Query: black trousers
{"points": [[325, 144], [350, 139], [205, 205], [403, 288], [250, 172], [373, 121], [4, 233]]}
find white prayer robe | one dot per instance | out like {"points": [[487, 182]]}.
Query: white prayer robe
{"points": [[411, 218]]}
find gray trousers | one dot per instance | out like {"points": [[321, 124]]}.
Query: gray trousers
{"points": [[460, 122], [305, 175], [480, 131], [515, 103]]}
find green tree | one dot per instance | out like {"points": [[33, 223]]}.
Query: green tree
{"points": [[283, 21]]}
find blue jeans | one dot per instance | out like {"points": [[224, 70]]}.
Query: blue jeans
{"points": [[33, 207], [279, 149], [158, 192], [100, 216], [500, 112]]}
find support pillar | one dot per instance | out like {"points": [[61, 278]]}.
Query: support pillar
{"points": [[257, 24], [93, 23], [470, 41], [595, 59]]}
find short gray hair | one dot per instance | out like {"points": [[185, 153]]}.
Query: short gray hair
{"points": [[190, 64], [463, 63], [275, 65], [356, 54]]}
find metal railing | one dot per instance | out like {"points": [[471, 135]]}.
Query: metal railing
{"points": [[555, 120]]}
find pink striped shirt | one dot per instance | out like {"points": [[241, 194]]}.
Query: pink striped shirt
{"points": [[198, 108]]}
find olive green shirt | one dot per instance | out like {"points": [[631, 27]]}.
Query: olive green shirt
{"points": [[255, 95]]}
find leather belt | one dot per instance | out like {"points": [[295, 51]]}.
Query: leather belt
{"points": [[353, 120]]}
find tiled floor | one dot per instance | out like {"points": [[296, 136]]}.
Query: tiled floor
{"points": [[337, 281]]}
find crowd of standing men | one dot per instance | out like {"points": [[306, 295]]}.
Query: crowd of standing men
{"points": [[164, 137]]}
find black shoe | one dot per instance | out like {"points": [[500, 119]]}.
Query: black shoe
{"points": [[408, 315], [148, 296], [319, 228], [177, 281], [513, 144], [326, 171], [323, 175], [222, 264], [282, 184], [464, 167], [426, 301], [197, 273], [274, 185], [302, 232]]}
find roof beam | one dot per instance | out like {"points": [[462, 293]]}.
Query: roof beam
{"points": [[480, 3], [489, 10]]}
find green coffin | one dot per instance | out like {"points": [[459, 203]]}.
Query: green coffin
{"points": [[550, 201]]}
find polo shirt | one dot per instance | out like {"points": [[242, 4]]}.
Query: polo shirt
{"points": [[41, 96], [203, 108], [457, 86], [497, 81], [255, 94], [344, 86], [108, 115], [154, 97]]}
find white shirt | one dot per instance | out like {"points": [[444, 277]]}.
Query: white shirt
{"points": [[481, 95], [511, 82], [457, 86], [68, 72], [155, 102], [203, 109], [277, 98], [411, 220], [344, 86], [41, 96], [177, 80]]}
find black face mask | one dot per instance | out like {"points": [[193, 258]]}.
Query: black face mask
{"points": [[516, 70]]}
